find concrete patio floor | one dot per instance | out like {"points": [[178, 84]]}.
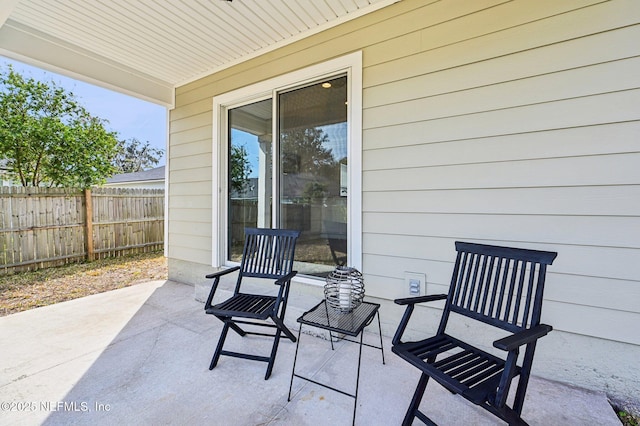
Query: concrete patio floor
{"points": [[140, 355]]}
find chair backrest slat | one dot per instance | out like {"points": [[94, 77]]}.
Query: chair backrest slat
{"points": [[501, 286], [268, 253]]}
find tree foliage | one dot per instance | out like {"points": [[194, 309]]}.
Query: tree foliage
{"points": [[240, 168], [135, 156], [47, 138], [303, 151]]}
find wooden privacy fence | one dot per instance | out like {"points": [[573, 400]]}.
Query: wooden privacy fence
{"points": [[42, 227]]}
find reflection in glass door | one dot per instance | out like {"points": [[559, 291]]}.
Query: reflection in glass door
{"points": [[312, 178], [307, 179], [250, 172]]}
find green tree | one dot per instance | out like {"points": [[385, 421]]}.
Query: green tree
{"points": [[47, 138], [134, 156], [304, 151], [240, 168]]}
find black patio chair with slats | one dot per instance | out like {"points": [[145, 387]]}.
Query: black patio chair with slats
{"points": [[267, 254], [499, 286]]}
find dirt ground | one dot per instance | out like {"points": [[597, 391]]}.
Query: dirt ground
{"points": [[28, 290]]}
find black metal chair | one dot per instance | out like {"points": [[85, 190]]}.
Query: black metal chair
{"points": [[268, 253], [499, 286]]}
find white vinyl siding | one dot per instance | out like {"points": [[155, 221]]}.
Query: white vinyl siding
{"points": [[515, 123], [189, 188], [515, 126]]}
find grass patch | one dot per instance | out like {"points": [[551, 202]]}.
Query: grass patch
{"points": [[628, 419], [28, 290]]}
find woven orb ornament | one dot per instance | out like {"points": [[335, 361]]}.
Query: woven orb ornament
{"points": [[344, 289]]}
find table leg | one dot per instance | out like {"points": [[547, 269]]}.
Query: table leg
{"points": [[380, 330], [293, 370], [355, 404], [326, 310]]}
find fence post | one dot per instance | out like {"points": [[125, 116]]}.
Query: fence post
{"points": [[88, 202]]}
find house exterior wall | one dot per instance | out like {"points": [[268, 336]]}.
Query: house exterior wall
{"points": [[151, 184], [511, 123]]}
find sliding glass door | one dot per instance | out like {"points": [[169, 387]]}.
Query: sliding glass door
{"points": [[250, 172], [297, 180]]}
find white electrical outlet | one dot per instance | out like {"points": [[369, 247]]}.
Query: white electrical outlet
{"points": [[414, 287], [415, 283]]}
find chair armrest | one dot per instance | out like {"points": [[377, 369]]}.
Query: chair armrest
{"points": [[286, 278], [223, 272], [410, 302], [516, 340], [283, 293], [420, 299], [512, 344], [216, 279]]}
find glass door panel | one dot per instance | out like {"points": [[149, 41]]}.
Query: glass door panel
{"points": [[312, 161], [250, 172]]}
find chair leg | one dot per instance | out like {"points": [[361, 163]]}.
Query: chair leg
{"points": [[216, 355], [284, 329], [281, 328], [237, 329], [415, 401], [523, 380], [274, 351]]}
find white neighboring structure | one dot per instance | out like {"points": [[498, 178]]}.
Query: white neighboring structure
{"points": [[3, 173], [147, 179]]}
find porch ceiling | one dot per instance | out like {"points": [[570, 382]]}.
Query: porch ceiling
{"points": [[147, 47]]}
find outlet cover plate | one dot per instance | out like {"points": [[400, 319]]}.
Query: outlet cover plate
{"points": [[413, 280]]}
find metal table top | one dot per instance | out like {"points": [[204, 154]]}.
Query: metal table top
{"points": [[352, 323]]}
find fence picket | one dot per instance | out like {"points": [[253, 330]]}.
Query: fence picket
{"points": [[42, 227]]}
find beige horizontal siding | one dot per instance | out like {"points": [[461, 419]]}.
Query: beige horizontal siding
{"points": [[598, 201], [190, 183], [191, 109], [446, 49], [200, 242], [586, 261], [196, 134], [620, 325], [191, 162], [603, 231], [192, 148], [527, 136], [189, 253], [184, 227], [598, 109], [502, 122], [594, 49], [191, 188], [432, 26], [559, 86], [196, 215], [612, 169], [190, 201], [191, 121], [576, 141]]}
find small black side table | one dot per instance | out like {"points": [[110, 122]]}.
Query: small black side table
{"points": [[348, 324]]}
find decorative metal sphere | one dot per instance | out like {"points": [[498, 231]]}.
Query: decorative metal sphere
{"points": [[344, 289]]}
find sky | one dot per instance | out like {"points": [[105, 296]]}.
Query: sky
{"points": [[128, 116]]}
